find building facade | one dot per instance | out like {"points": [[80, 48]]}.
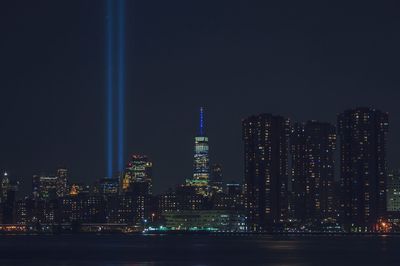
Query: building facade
{"points": [[363, 136], [138, 175], [393, 192], [216, 183], [266, 144], [312, 151], [201, 160]]}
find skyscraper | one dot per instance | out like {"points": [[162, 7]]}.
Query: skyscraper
{"points": [[138, 175], [62, 182], [4, 185], [50, 187], [108, 186], [216, 183], [45, 187], [393, 192], [363, 136], [8, 193], [266, 144], [312, 150], [201, 162]]}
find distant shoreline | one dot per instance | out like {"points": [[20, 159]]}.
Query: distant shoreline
{"points": [[194, 233]]}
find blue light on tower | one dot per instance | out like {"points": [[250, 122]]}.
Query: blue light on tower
{"points": [[201, 160], [201, 127]]}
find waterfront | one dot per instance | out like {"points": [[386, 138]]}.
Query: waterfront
{"points": [[129, 250]]}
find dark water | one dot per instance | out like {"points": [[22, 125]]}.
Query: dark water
{"points": [[124, 250]]}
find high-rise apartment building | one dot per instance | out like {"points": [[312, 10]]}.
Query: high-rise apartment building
{"points": [[393, 192], [312, 150], [363, 136], [266, 144]]}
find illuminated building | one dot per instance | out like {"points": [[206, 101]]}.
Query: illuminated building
{"points": [[83, 208], [93, 208], [168, 202], [363, 136], [4, 186], [62, 182], [45, 187], [108, 186], [312, 150], [201, 162], [152, 212], [78, 188], [232, 199], [188, 198], [126, 209], [50, 212], [50, 187], [393, 191], [266, 146], [233, 188], [26, 211], [138, 175], [216, 178], [7, 200], [205, 220], [21, 212], [234, 195], [71, 209]]}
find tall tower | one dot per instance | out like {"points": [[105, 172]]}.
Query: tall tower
{"points": [[312, 150], [62, 182], [201, 160], [363, 136], [266, 144]]}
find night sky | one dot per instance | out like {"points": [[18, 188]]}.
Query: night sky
{"points": [[235, 58]]}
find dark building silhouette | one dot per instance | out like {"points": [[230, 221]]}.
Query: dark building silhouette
{"points": [[266, 170], [188, 198], [216, 182], [312, 150], [393, 191], [62, 182], [363, 136], [167, 202], [230, 199]]}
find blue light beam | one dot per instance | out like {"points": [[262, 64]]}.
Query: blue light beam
{"points": [[121, 84], [109, 75]]}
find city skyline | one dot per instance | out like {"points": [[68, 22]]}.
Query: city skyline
{"points": [[297, 60], [288, 185], [292, 125], [209, 132]]}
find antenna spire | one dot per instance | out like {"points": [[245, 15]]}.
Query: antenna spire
{"points": [[201, 121]]}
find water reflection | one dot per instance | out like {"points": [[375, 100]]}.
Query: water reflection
{"points": [[199, 250]]}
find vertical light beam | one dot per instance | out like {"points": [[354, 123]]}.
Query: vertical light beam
{"points": [[109, 95], [121, 83]]}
